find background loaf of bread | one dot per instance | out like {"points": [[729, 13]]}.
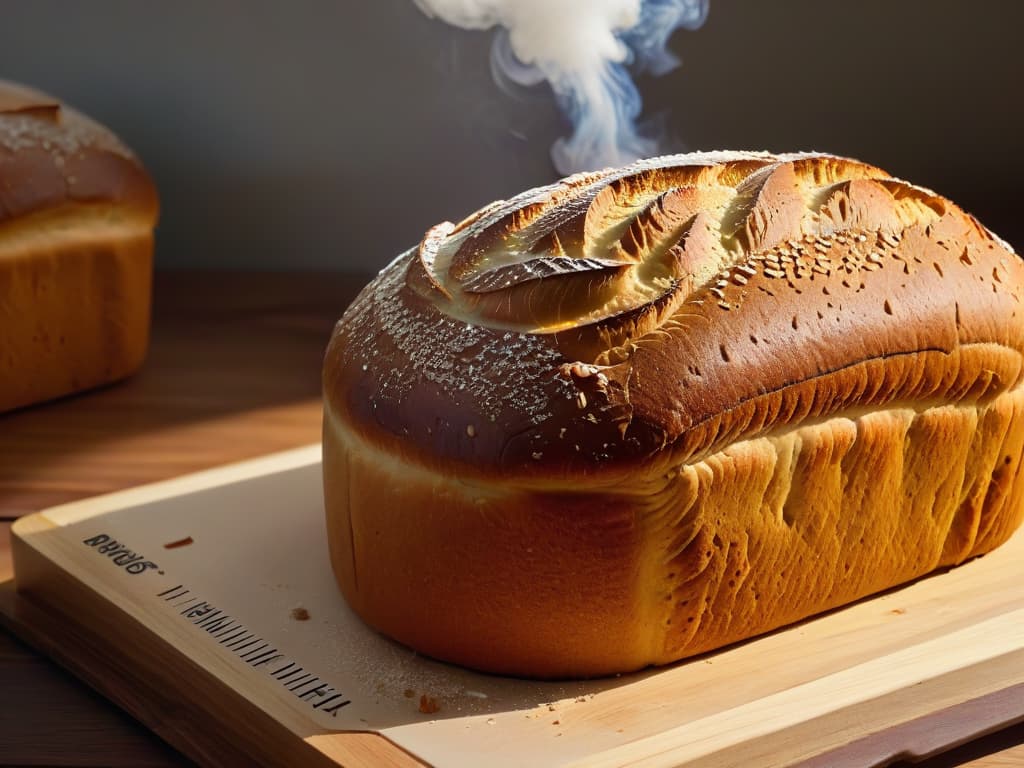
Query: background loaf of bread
{"points": [[646, 412], [77, 212]]}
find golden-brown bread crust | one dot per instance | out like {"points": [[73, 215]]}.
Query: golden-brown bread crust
{"points": [[52, 157], [658, 336], [77, 212], [596, 581]]}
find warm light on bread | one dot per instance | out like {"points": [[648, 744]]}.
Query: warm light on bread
{"points": [[77, 212], [647, 412]]}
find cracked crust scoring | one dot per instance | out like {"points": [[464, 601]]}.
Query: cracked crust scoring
{"points": [[726, 348]]}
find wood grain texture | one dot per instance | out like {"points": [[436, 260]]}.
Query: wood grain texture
{"points": [[60, 721], [1002, 749], [93, 658], [233, 373], [6, 566]]}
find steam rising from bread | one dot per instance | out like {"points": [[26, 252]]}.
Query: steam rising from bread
{"points": [[582, 48]]}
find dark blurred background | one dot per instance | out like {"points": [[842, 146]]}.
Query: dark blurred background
{"points": [[330, 133]]}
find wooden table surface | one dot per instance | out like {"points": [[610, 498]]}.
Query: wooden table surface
{"points": [[233, 373]]}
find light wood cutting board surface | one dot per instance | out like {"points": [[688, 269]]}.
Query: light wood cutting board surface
{"points": [[858, 681]]}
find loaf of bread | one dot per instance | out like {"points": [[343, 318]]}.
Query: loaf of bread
{"points": [[644, 413], [77, 212]]}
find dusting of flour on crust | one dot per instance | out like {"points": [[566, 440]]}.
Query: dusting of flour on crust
{"points": [[493, 369]]}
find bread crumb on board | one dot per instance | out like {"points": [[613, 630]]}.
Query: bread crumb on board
{"points": [[300, 614], [428, 705]]}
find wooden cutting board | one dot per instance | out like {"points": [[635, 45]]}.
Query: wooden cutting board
{"points": [[206, 607]]}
